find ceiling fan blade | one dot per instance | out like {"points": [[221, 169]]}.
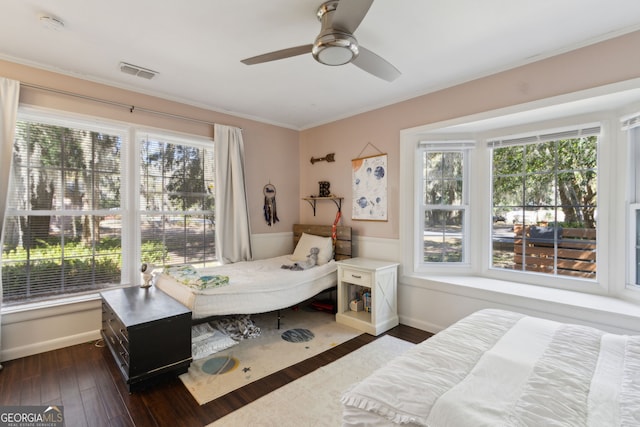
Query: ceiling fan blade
{"points": [[278, 54], [374, 64], [350, 13]]}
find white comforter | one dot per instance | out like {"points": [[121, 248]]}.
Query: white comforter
{"points": [[497, 368]]}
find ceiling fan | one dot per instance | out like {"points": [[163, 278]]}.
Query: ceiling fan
{"points": [[336, 45]]}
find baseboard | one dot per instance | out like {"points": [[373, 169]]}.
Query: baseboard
{"points": [[420, 324], [54, 344]]}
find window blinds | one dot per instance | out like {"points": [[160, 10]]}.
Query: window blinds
{"points": [[580, 132], [630, 122], [447, 145]]}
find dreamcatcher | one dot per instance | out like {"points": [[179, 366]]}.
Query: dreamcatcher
{"points": [[270, 213]]}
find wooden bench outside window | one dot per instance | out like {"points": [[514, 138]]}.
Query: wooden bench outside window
{"points": [[576, 250]]}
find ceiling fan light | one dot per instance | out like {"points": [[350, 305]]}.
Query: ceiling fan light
{"points": [[335, 48], [334, 55]]}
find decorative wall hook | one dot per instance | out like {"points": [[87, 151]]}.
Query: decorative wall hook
{"points": [[328, 158]]}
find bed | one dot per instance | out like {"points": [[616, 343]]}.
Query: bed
{"points": [[263, 286], [499, 368]]}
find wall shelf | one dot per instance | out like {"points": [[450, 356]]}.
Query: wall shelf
{"points": [[312, 201]]}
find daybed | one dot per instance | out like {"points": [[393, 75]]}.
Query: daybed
{"points": [[263, 286], [498, 368]]}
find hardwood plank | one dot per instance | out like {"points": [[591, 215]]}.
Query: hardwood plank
{"points": [[64, 357], [31, 366], [170, 408], [112, 402], [138, 412], [93, 408], [82, 355], [74, 413], [10, 383], [68, 383], [50, 388], [30, 391], [123, 421], [49, 384]]}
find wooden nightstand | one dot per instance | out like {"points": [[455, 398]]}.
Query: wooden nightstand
{"points": [[380, 278], [147, 332]]}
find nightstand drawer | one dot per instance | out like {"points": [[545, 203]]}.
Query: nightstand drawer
{"points": [[357, 277]]}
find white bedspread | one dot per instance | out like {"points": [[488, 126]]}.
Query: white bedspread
{"points": [[254, 287], [497, 368]]}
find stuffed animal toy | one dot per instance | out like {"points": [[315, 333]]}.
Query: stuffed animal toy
{"points": [[311, 261]]}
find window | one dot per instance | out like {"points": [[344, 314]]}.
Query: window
{"points": [[544, 201], [177, 220], [444, 207], [632, 127], [62, 226], [80, 191]]}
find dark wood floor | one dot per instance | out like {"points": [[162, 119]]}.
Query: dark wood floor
{"points": [[85, 380]]}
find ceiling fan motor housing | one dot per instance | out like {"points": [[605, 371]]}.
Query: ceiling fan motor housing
{"points": [[333, 46]]}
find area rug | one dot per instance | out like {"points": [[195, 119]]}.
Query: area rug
{"points": [[303, 333], [314, 400]]}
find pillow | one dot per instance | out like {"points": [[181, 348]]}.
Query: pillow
{"points": [[547, 233], [308, 241]]}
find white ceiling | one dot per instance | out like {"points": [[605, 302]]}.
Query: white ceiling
{"points": [[196, 46]]}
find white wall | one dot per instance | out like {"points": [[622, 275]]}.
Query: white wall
{"points": [[36, 329]]}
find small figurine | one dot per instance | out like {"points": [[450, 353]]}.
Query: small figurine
{"points": [[147, 275]]}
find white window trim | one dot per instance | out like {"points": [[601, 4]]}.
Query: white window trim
{"points": [[440, 146], [634, 208], [92, 124], [543, 134], [630, 126], [133, 181]]}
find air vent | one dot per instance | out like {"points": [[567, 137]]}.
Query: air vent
{"points": [[51, 23], [135, 70]]}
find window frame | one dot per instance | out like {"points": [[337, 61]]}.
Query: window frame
{"points": [[544, 136], [631, 128], [141, 134], [464, 147], [129, 186], [76, 122]]}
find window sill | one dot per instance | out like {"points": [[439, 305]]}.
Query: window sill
{"points": [[604, 312], [19, 308], [52, 307]]}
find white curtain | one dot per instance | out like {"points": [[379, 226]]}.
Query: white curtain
{"points": [[9, 94], [233, 231]]}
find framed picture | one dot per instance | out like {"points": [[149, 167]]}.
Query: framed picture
{"points": [[369, 184]]}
